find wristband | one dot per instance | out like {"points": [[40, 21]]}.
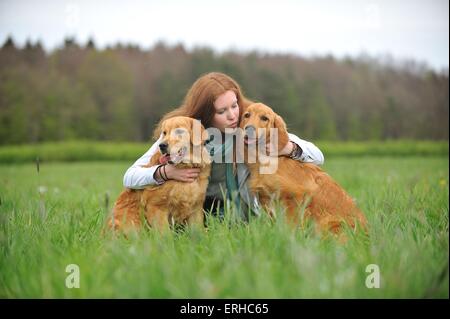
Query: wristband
{"points": [[158, 172], [296, 152], [165, 174]]}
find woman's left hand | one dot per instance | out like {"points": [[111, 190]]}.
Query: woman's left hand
{"points": [[287, 149]]}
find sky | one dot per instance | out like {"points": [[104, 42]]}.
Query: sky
{"points": [[403, 29]]}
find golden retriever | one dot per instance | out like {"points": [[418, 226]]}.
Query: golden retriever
{"points": [[173, 202], [304, 189]]}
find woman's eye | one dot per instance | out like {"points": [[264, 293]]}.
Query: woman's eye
{"points": [[235, 106], [247, 115], [264, 118]]}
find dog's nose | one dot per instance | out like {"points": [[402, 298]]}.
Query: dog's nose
{"points": [[250, 130], [163, 147]]}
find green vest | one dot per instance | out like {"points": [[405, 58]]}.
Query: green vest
{"points": [[217, 181], [227, 185]]}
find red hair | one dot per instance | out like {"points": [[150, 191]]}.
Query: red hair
{"points": [[199, 100]]}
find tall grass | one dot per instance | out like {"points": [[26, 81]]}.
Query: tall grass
{"points": [[113, 151], [55, 218]]}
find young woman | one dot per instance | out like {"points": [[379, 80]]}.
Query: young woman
{"points": [[217, 101]]}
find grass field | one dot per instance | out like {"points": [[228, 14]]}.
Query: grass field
{"points": [[77, 151], [52, 219]]}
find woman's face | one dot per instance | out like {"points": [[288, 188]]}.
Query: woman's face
{"points": [[226, 111]]}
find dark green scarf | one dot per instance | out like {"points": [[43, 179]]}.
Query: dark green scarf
{"points": [[226, 149]]}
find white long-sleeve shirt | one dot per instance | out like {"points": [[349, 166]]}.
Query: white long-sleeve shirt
{"points": [[137, 177]]}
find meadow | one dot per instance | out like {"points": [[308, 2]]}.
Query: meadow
{"points": [[54, 218]]}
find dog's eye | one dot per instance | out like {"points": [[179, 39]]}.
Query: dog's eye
{"points": [[264, 118], [247, 115], [164, 133]]}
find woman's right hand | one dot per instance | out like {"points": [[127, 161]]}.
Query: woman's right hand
{"points": [[186, 175]]}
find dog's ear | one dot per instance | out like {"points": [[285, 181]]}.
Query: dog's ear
{"points": [[283, 137]]}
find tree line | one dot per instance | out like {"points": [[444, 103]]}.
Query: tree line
{"points": [[120, 92]]}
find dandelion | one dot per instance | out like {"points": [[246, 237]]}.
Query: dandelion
{"points": [[42, 189]]}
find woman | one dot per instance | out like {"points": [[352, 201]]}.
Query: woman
{"points": [[217, 101]]}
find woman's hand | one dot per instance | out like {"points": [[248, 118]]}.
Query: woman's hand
{"points": [[186, 175], [287, 149]]}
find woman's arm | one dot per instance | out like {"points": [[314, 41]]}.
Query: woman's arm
{"points": [[137, 177], [309, 152]]}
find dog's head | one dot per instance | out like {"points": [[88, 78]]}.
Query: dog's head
{"points": [[183, 141], [257, 122]]}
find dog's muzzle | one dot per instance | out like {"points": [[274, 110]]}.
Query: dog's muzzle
{"points": [[250, 131], [163, 148]]}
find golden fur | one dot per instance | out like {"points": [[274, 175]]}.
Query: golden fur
{"points": [[299, 186], [174, 201]]}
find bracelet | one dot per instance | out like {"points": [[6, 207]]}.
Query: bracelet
{"points": [[158, 173], [162, 172], [296, 152], [165, 174]]}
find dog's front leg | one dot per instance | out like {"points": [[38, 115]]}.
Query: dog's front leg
{"points": [[196, 219], [158, 219]]}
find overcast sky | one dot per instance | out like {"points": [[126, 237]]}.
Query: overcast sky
{"points": [[417, 29]]}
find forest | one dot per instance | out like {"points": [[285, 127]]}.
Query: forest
{"points": [[119, 93]]}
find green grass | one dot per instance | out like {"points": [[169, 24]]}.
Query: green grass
{"points": [[127, 151], [405, 200]]}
